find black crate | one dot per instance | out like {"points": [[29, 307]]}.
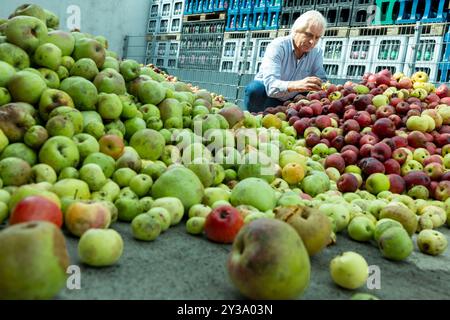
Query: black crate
{"points": [[362, 15]]}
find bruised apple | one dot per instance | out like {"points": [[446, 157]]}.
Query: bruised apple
{"points": [[269, 261], [84, 215]]}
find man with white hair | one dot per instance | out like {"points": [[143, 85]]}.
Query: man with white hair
{"points": [[291, 65]]}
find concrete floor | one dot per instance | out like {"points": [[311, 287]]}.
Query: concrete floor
{"points": [[178, 266]]}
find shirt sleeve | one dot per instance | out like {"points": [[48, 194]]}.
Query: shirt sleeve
{"points": [[271, 70], [318, 69]]}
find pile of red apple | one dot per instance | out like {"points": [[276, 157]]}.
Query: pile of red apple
{"points": [[388, 124]]}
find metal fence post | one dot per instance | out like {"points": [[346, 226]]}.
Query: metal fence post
{"points": [[242, 69], [125, 47], [418, 31]]}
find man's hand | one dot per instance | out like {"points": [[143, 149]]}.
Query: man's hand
{"points": [[307, 84]]}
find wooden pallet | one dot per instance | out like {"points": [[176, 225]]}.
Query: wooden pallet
{"points": [[339, 32], [164, 37], [432, 29], [204, 17]]}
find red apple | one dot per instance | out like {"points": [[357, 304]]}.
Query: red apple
{"points": [[350, 147], [347, 183], [442, 91], [416, 139], [223, 224], [415, 178], [338, 142], [312, 139], [397, 184], [402, 107], [384, 128], [351, 125], [363, 118], [368, 139], [384, 111], [434, 170], [335, 161], [365, 150], [350, 157], [371, 165], [442, 191], [399, 141], [352, 138], [391, 166], [381, 151], [434, 158]]}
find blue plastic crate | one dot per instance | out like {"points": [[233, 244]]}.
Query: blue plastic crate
{"points": [[273, 19], [198, 7], [245, 21], [260, 5], [438, 15], [408, 12], [232, 22], [444, 71], [247, 5], [208, 6], [234, 6], [273, 4], [259, 20], [189, 6]]}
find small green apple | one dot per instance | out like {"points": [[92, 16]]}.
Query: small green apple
{"points": [[100, 247]]}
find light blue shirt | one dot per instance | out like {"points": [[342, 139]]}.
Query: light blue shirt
{"points": [[280, 66]]}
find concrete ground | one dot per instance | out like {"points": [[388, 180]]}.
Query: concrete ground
{"points": [[178, 266]]}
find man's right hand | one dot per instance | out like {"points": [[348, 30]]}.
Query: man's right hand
{"points": [[304, 85]]}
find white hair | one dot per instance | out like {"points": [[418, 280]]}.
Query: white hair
{"points": [[313, 17]]}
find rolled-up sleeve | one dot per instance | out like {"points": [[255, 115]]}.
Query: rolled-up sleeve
{"points": [[271, 69]]}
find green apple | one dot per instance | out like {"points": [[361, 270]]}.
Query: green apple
{"points": [[111, 63], [130, 69], [255, 192], [3, 141], [62, 73], [5, 97], [195, 225], [215, 194], [14, 56], [123, 176], [151, 92], [146, 203], [31, 254], [395, 243], [148, 143], [377, 182], [59, 152], [42, 172], [105, 162], [85, 68], [128, 208], [67, 62], [72, 114], [128, 193], [141, 184], [110, 81], [63, 40], [129, 159], [7, 71], [32, 10], [162, 215], [51, 99], [283, 271], [349, 270], [173, 205], [26, 86], [109, 106], [100, 248], [14, 171], [60, 126], [93, 175], [86, 144], [89, 48], [26, 32], [199, 210], [361, 228], [48, 55], [68, 173], [50, 77], [52, 19], [72, 188], [432, 242], [145, 227], [402, 214], [19, 150], [380, 100]]}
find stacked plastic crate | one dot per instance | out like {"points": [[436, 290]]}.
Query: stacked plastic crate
{"points": [[164, 29], [202, 34], [292, 9], [396, 50]]}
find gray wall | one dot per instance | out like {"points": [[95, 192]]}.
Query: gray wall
{"points": [[113, 19]]}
